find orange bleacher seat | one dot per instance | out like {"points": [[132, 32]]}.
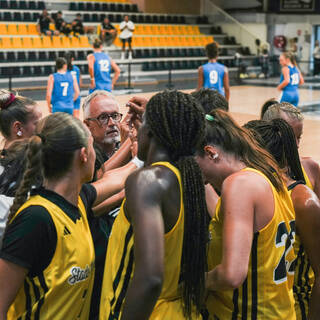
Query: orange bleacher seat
{"points": [[27, 43], [84, 42], [32, 29], [6, 43], [56, 42], [66, 42], [3, 29], [149, 30], [195, 29], [22, 29], [75, 43], [46, 42], [176, 30], [12, 29], [37, 43], [16, 43], [169, 30]]}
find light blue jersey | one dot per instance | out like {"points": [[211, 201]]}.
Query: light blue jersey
{"points": [[76, 73], [290, 92], [213, 74], [102, 72], [63, 92]]}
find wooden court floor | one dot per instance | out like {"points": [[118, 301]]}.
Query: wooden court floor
{"points": [[245, 104]]}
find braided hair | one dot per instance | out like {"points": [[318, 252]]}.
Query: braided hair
{"points": [[210, 99], [278, 138], [177, 123]]}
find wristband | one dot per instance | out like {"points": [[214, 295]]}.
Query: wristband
{"points": [[139, 164]]}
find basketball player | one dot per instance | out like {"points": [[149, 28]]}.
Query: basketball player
{"points": [[100, 65], [214, 75], [62, 89], [47, 258], [293, 116], [247, 256], [278, 138], [75, 71], [159, 238], [290, 79]]}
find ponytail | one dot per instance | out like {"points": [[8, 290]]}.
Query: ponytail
{"points": [[30, 176]]}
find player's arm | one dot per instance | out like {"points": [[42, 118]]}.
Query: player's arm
{"points": [[76, 89], [91, 60], [238, 216], [112, 182], [301, 79], [11, 280], [116, 70], [226, 84], [120, 158], [108, 204], [49, 91], [307, 209], [200, 78], [144, 207], [286, 78], [80, 81]]}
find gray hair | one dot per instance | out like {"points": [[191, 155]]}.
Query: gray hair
{"points": [[90, 97]]}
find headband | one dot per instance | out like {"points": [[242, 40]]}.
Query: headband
{"points": [[8, 103], [209, 117]]}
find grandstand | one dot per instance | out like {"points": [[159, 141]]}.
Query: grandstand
{"points": [[161, 42]]}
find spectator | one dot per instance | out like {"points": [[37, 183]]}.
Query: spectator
{"points": [[61, 25], [43, 25], [108, 31], [78, 27], [316, 57], [126, 28]]}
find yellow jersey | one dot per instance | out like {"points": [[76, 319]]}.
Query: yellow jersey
{"points": [[63, 290], [267, 291], [304, 276], [119, 267]]}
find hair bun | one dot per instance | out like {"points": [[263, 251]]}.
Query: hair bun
{"points": [[6, 98]]}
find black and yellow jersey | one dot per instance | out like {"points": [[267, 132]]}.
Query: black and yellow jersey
{"points": [[304, 276], [63, 289], [267, 291], [119, 267]]}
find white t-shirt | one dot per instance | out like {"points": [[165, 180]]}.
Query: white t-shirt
{"points": [[126, 33]]}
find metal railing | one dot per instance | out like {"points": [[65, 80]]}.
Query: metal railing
{"points": [[232, 27]]}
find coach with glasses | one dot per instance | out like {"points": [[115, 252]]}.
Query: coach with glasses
{"points": [[102, 117]]}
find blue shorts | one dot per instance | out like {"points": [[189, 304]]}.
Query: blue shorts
{"points": [[108, 88], [66, 110], [291, 96]]}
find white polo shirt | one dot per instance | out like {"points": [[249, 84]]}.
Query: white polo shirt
{"points": [[126, 33]]}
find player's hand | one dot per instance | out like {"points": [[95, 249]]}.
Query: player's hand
{"points": [[112, 86], [125, 127], [137, 106]]}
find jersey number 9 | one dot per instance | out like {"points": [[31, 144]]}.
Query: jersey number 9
{"points": [[213, 77]]}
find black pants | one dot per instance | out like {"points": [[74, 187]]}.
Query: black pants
{"points": [[316, 69]]}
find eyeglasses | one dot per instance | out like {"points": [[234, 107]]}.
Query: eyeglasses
{"points": [[104, 117]]}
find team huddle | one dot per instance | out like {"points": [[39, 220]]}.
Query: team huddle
{"points": [[218, 221]]}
